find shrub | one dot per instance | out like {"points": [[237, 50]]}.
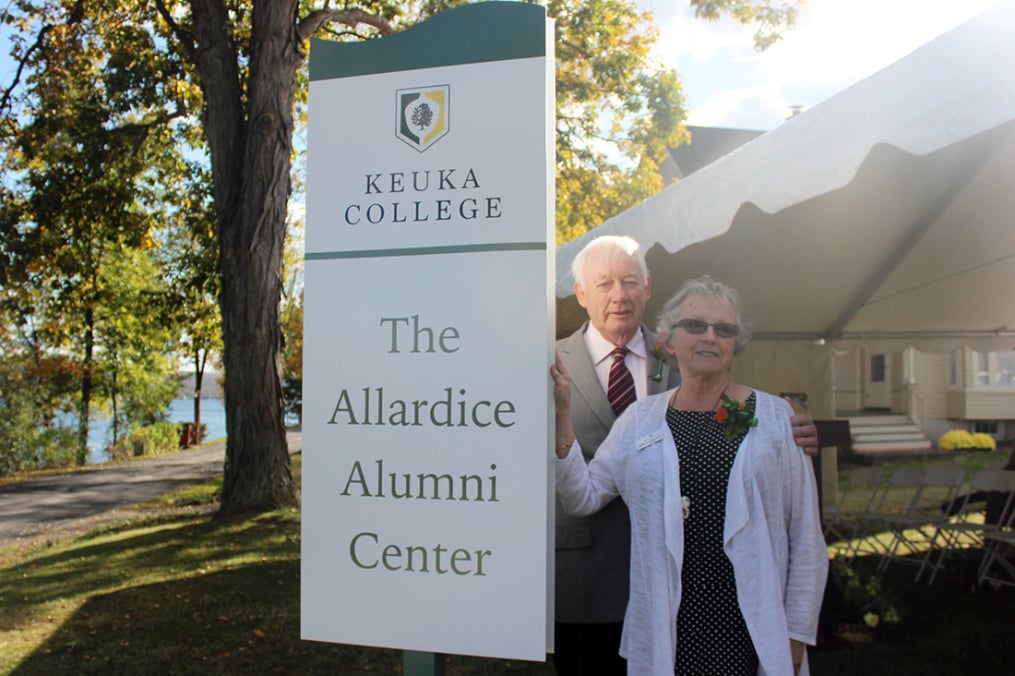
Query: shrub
{"points": [[855, 596], [30, 449], [54, 448], [955, 439], [156, 439], [984, 441]]}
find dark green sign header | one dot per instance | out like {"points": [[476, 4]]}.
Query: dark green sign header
{"points": [[488, 31]]}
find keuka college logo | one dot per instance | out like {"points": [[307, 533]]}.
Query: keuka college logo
{"points": [[423, 115]]}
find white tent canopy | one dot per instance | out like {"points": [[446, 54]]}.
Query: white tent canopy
{"points": [[885, 213]]}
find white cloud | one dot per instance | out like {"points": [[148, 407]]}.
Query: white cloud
{"points": [[684, 36], [740, 108], [838, 42], [835, 43]]}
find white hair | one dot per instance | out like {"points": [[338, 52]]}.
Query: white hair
{"points": [[628, 245]]}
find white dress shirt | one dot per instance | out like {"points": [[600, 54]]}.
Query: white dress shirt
{"points": [[601, 352]]}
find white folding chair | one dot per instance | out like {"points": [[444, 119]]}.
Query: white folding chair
{"points": [[998, 564], [870, 522], [840, 517], [983, 509], [915, 528]]}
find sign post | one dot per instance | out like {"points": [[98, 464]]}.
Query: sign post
{"points": [[428, 333], [422, 664]]}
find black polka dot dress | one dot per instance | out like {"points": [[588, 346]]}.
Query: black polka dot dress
{"points": [[712, 638]]}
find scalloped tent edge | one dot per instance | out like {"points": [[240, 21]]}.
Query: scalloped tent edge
{"points": [[882, 216]]}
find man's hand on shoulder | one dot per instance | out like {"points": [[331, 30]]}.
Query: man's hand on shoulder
{"points": [[805, 434]]}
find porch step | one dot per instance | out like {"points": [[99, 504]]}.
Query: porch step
{"points": [[886, 434], [907, 446], [881, 430], [877, 420]]}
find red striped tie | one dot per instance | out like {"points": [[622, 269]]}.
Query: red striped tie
{"points": [[621, 387]]}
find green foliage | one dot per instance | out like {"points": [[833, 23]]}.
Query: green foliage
{"points": [[36, 393], [111, 103], [188, 258], [955, 439], [617, 113], [292, 357], [135, 368], [92, 153], [855, 595], [292, 321], [27, 446], [771, 18], [156, 439]]}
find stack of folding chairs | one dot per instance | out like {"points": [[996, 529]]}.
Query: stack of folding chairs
{"points": [[917, 527], [840, 519], [998, 564], [916, 515], [980, 518], [871, 521]]}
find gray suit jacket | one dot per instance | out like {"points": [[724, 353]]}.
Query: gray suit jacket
{"points": [[593, 552]]}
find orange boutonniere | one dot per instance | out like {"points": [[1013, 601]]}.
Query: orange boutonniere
{"points": [[735, 417]]}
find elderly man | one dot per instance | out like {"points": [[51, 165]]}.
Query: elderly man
{"points": [[612, 360]]}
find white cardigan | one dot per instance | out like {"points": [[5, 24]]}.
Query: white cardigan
{"points": [[772, 533]]}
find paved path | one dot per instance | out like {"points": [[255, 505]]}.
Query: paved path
{"points": [[43, 504]]}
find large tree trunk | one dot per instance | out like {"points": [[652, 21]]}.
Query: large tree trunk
{"points": [[251, 156]]}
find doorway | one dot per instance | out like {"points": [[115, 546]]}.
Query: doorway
{"points": [[878, 381]]}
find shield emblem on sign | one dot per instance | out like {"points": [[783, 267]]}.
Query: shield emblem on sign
{"points": [[423, 115]]}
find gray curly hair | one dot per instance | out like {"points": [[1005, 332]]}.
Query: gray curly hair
{"points": [[703, 286]]}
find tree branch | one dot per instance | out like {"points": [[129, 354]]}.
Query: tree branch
{"points": [[76, 15], [6, 98], [138, 132], [185, 37], [349, 17]]}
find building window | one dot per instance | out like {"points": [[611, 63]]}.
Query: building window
{"points": [[983, 368], [878, 368], [996, 369], [985, 427], [1004, 369], [953, 367]]}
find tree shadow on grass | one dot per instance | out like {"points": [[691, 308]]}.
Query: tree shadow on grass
{"points": [[244, 620], [230, 622], [119, 555]]}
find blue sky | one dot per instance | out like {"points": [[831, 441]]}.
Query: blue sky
{"points": [[835, 43], [728, 84]]}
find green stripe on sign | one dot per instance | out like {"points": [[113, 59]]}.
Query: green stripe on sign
{"points": [[488, 31], [426, 251]]}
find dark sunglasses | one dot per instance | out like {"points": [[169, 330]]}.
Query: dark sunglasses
{"points": [[698, 327]]}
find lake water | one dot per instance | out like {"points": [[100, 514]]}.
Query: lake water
{"points": [[213, 418]]}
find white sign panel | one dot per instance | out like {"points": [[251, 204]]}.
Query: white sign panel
{"points": [[427, 338]]}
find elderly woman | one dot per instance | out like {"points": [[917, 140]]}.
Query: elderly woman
{"points": [[728, 563]]}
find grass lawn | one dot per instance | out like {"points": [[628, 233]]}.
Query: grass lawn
{"points": [[945, 629], [175, 591]]}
